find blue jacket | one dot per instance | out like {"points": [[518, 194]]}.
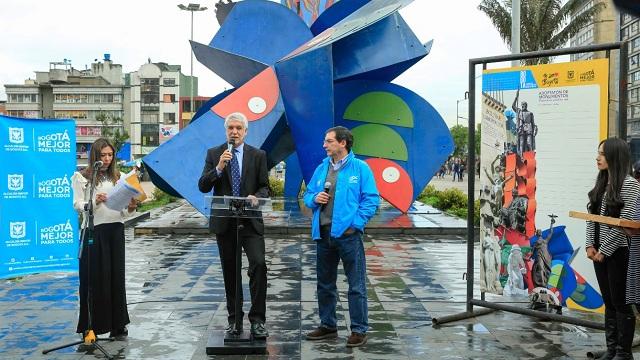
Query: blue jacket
{"points": [[356, 198]]}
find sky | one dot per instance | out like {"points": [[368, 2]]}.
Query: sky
{"points": [[37, 32]]}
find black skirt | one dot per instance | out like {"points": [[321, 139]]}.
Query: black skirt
{"points": [[103, 262]]}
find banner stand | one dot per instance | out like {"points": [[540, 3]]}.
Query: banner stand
{"points": [[622, 47]]}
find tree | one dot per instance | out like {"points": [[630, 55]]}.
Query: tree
{"points": [[460, 136], [113, 129], [544, 24]]}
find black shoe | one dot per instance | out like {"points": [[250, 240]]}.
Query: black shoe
{"points": [[119, 334], [231, 329], [259, 331]]}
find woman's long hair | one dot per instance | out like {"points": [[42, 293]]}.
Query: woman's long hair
{"points": [[111, 172], [610, 180]]}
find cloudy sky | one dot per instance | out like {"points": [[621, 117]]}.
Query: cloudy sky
{"points": [[38, 32]]}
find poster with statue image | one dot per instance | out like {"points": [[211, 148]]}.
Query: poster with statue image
{"points": [[541, 126], [37, 220]]}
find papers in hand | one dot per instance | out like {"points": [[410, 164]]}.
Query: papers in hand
{"points": [[120, 196]]}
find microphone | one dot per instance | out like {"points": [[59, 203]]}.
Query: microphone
{"points": [[230, 148], [327, 187], [97, 164]]}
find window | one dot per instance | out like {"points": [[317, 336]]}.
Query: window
{"points": [[150, 91], [23, 98], [149, 118], [169, 118], [169, 82], [29, 114], [70, 114], [169, 98], [150, 135]]}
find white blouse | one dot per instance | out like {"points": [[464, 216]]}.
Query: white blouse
{"points": [[101, 213]]}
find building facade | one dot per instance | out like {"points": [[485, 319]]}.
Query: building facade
{"points": [[155, 91], [146, 102], [186, 114], [601, 31], [64, 92], [630, 32]]}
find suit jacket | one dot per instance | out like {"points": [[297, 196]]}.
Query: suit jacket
{"points": [[254, 180]]}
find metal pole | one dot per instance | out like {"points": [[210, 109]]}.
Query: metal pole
{"points": [[539, 314], [471, 191], [515, 30], [191, 79]]}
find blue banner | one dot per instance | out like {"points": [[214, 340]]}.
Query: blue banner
{"points": [[38, 224]]}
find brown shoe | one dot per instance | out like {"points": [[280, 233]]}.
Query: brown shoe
{"points": [[356, 339], [322, 333]]}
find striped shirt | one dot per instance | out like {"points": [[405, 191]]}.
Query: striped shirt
{"points": [[612, 238]]}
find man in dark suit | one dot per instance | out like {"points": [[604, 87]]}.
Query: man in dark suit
{"points": [[241, 173]]}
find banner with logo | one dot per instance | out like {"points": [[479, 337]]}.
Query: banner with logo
{"points": [[37, 220], [168, 131], [541, 126]]}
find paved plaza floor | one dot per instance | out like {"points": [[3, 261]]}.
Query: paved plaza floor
{"points": [[176, 298]]}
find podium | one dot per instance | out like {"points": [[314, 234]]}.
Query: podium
{"points": [[240, 209]]}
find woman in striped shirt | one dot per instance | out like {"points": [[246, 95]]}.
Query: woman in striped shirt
{"points": [[615, 194]]}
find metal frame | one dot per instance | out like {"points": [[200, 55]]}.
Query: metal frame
{"points": [[622, 132]]}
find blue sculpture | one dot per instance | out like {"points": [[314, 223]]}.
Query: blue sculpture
{"points": [[294, 81]]}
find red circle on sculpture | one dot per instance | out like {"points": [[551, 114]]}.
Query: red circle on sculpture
{"points": [[397, 189]]}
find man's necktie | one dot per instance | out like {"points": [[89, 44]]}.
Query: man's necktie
{"points": [[235, 174]]}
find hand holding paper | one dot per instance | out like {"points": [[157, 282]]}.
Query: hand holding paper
{"points": [[121, 195]]}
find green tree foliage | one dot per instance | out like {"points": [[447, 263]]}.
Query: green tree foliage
{"points": [[276, 187], [545, 24], [460, 135], [113, 129]]}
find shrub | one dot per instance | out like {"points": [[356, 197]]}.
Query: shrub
{"points": [[452, 201], [276, 187], [452, 198], [160, 198]]}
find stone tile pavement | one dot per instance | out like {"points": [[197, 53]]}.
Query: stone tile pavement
{"points": [[176, 297]]}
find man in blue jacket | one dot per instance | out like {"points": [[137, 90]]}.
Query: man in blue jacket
{"points": [[343, 196]]}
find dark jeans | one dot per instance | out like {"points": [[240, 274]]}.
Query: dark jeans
{"points": [[350, 250], [612, 279], [253, 245]]}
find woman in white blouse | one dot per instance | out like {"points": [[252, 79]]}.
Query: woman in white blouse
{"points": [[106, 252]]}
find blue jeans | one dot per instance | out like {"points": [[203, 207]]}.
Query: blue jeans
{"points": [[330, 251]]}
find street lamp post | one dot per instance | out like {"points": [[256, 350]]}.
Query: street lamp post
{"points": [[191, 7], [466, 96]]}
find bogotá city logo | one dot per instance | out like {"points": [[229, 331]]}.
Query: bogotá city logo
{"points": [[17, 229], [15, 186], [56, 142], [54, 188], [16, 135], [16, 140], [15, 182], [549, 79], [588, 76], [57, 234]]}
